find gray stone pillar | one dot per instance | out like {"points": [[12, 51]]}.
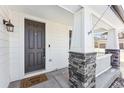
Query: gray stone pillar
{"points": [[82, 58], [112, 47], [82, 70], [115, 58]]}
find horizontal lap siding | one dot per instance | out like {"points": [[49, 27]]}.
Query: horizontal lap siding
{"points": [[14, 48], [57, 35], [4, 55], [58, 38]]}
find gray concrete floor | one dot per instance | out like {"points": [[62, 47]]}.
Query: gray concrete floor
{"points": [[59, 79], [106, 79], [56, 79]]}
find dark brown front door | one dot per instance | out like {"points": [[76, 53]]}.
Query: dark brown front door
{"points": [[34, 46]]}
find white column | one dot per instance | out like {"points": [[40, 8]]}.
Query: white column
{"points": [[112, 40], [82, 57], [82, 42]]}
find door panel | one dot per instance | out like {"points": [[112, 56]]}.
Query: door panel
{"points": [[34, 46]]}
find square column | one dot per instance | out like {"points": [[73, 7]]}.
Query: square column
{"points": [[82, 57], [113, 48]]}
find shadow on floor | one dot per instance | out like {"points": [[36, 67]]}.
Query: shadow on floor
{"points": [[56, 79], [59, 79]]}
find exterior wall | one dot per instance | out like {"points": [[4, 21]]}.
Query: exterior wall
{"points": [[4, 55], [121, 41], [57, 35]]}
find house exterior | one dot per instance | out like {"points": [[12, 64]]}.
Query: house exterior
{"points": [[101, 42], [56, 21]]}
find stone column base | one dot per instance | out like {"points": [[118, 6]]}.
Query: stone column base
{"points": [[115, 58], [82, 70]]}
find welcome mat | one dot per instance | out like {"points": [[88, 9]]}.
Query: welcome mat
{"points": [[28, 82]]}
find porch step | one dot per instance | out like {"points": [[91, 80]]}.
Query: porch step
{"points": [[107, 78]]}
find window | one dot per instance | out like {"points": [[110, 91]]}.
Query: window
{"points": [[102, 45], [96, 45], [121, 46]]}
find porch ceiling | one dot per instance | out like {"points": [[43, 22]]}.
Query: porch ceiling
{"points": [[71, 8], [50, 12], [64, 14], [109, 15], [101, 26]]}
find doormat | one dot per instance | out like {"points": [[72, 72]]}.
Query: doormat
{"points": [[28, 82], [118, 83]]}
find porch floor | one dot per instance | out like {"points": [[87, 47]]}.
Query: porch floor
{"points": [[56, 79], [59, 79]]}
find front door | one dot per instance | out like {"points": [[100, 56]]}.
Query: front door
{"points": [[34, 46]]}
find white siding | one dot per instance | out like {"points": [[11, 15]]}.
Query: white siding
{"points": [[4, 55], [12, 48], [57, 35]]}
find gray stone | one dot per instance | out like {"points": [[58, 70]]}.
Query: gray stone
{"points": [[118, 83], [115, 58], [82, 70]]}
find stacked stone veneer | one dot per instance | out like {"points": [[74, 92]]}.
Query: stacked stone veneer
{"points": [[115, 58], [82, 70]]}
